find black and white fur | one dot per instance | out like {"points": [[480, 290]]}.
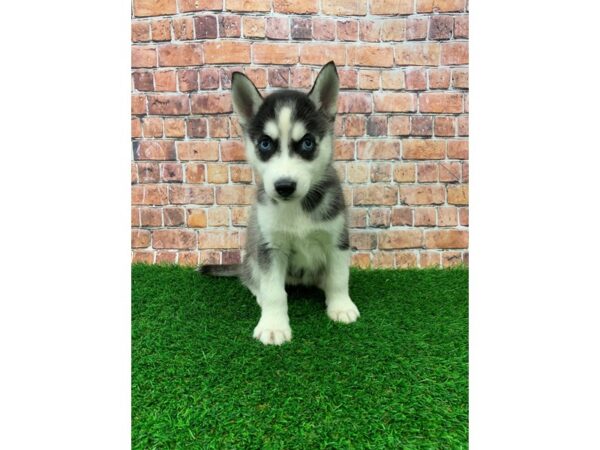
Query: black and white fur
{"points": [[297, 231]]}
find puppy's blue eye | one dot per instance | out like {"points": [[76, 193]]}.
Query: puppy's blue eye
{"points": [[265, 144], [308, 144]]}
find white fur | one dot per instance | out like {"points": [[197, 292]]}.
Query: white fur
{"points": [[298, 131], [271, 130]]}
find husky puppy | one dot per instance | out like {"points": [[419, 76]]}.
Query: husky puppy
{"points": [[297, 230]]}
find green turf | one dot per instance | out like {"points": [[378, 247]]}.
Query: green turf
{"points": [[397, 378]]}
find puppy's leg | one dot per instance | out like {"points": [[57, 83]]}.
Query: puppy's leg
{"points": [[274, 324], [340, 307]]}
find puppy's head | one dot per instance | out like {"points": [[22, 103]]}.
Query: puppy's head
{"points": [[288, 135]]}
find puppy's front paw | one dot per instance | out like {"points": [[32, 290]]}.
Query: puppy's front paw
{"points": [[273, 331], [344, 311]]}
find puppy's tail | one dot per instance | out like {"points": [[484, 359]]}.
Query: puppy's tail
{"points": [[217, 270]]}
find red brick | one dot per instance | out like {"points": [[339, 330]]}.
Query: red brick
{"points": [[370, 30], [187, 259], [235, 195], [143, 56], [416, 80], [376, 149], [149, 194], [171, 173], [392, 80], [180, 239], [368, 79], [140, 238], [218, 126], [354, 102], [323, 29], [445, 126], [224, 52], [447, 216], [357, 218], [197, 127], [440, 27], [379, 218], [381, 172], [460, 78], [416, 28], [217, 173], [458, 195], [166, 257], [421, 126], [429, 259], [393, 239], [463, 125], [165, 80], [344, 7], [405, 259], [322, 53], [146, 8], [450, 172], [239, 215], [254, 27], [205, 27], [338, 126], [422, 195], [300, 77], [200, 5], [425, 217], [440, 102], [454, 53], [248, 5], [168, 104], [402, 216], [218, 239], [395, 102], [458, 149], [347, 30], [362, 240], [371, 56], [446, 239], [230, 26], [279, 77], [423, 149], [348, 78], [440, 5], [136, 127], [439, 78], [140, 31], [377, 126], [183, 28], [196, 218], [209, 78], [465, 172], [188, 80], [427, 172], [375, 195], [211, 103], [148, 172], [232, 151], [209, 257], [198, 150], [258, 77], [241, 173], [186, 54], [153, 127], [358, 172], [143, 81], [383, 260], [463, 215], [142, 257], [451, 259], [301, 28], [173, 217], [343, 150], [195, 173], [275, 53], [161, 30], [277, 28], [391, 7], [150, 217], [461, 27], [295, 6], [232, 257], [399, 125], [393, 30], [404, 173], [417, 54], [155, 150], [354, 125], [181, 194], [361, 260]]}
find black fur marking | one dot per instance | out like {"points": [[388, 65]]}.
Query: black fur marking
{"points": [[344, 240], [336, 204], [329, 183]]}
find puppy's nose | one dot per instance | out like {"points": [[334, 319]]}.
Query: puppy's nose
{"points": [[285, 187]]}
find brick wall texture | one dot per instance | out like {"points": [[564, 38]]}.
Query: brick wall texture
{"points": [[401, 132]]}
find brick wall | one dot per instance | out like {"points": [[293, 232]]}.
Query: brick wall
{"points": [[402, 125]]}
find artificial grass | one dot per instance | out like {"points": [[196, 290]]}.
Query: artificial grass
{"points": [[397, 378]]}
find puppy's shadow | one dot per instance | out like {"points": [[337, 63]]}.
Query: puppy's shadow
{"points": [[305, 298]]}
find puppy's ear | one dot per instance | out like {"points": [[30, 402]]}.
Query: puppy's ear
{"points": [[324, 93], [245, 97]]}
